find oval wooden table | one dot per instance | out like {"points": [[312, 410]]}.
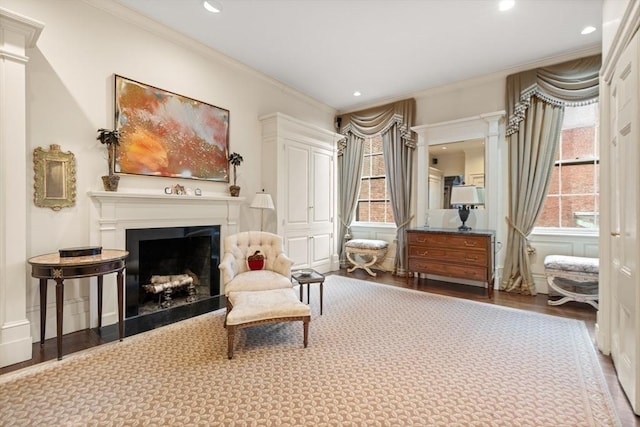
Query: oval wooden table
{"points": [[53, 266]]}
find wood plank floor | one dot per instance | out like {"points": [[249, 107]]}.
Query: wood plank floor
{"points": [[81, 340]]}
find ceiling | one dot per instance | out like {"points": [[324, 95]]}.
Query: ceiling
{"points": [[328, 49]]}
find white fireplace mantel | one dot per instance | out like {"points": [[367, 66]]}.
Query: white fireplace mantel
{"points": [[115, 212]]}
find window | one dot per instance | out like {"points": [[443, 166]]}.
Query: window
{"points": [[373, 200], [572, 200]]}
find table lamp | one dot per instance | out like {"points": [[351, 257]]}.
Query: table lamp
{"points": [[464, 196]]}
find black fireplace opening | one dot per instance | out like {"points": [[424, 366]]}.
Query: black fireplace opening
{"points": [[172, 269]]}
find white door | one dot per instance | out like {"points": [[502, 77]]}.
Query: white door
{"points": [[297, 200], [624, 160], [321, 211], [308, 224]]}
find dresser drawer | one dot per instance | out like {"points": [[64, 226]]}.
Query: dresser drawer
{"points": [[468, 242], [460, 256], [448, 270]]}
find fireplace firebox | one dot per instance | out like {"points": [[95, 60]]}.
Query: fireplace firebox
{"points": [[171, 267]]}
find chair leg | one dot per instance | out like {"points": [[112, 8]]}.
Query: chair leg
{"points": [[229, 307]]}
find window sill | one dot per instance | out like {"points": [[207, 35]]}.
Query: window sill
{"points": [[573, 232], [372, 225]]}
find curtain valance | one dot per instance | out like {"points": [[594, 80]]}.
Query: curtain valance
{"points": [[570, 83], [378, 120]]}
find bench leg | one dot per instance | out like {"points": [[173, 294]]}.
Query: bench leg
{"points": [[231, 333], [570, 296], [365, 266], [305, 326]]}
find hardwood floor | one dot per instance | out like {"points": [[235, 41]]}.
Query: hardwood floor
{"points": [[89, 338]]}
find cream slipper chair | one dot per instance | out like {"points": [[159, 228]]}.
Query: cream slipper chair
{"points": [[236, 275]]}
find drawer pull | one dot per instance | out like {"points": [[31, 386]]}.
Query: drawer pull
{"points": [[425, 253], [470, 244], [421, 240], [471, 258]]}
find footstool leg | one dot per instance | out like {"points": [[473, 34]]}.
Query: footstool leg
{"points": [[231, 333], [305, 325]]}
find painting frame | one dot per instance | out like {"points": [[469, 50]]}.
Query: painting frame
{"points": [[166, 134], [54, 178]]}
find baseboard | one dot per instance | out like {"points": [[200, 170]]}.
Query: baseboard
{"points": [[16, 343]]}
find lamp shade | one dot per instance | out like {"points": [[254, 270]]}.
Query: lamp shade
{"points": [[262, 201], [465, 195]]}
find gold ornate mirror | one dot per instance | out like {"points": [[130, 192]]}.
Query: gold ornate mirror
{"points": [[54, 178]]}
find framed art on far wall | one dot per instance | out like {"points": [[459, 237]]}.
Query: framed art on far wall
{"points": [[166, 134]]}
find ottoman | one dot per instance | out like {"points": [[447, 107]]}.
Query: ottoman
{"points": [[252, 308]]}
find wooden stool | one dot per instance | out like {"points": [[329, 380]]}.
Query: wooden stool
{"points": [[257, 307], [370, 250]]}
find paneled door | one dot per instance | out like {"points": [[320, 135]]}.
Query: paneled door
{"points": [[310, 190], [624, 158]]}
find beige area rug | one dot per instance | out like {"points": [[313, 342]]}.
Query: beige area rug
{"points": [[379, 356]]}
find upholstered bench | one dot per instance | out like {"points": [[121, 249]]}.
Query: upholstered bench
{"points": [[257, 307], [368, 250], [574, 278]]}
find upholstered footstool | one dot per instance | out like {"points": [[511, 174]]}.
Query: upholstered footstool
{"points": [[368, 250], [257, 307], [574, 278]]}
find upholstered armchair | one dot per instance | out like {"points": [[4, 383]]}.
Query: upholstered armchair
{"points": [[236, 275]]}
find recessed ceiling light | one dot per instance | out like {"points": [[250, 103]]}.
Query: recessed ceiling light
{"points": [[588, 30], [356, 93], [506, 5], [213, 6]]}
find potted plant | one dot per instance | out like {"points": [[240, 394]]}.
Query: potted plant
{"points": [[235, 159], [111, 139]]}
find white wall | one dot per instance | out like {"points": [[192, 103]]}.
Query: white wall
{"points": [[70, 95]]}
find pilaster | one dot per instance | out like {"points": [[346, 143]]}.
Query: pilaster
{"points": [[17, 34]]}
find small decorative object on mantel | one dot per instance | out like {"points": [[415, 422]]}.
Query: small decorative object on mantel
{"points": [[111, 139], [176, 189], [80, 251], [235, 159]]}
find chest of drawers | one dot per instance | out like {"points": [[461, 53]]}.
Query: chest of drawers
{"points": [[452, 253]]}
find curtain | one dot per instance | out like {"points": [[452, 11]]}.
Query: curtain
{"points": [[535, 109], [530, 167], [398, 161], [349, 171], [393, 122]]}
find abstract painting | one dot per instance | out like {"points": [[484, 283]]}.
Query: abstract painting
{"points": [[166, 134]]}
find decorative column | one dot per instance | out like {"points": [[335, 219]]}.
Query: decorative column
{"points": [[17, 34]]}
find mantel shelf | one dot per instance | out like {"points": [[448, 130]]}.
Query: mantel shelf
{"points": [[114, 196]]}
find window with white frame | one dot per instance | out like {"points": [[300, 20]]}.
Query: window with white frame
{"points": [[373, 200], [572, 200]]}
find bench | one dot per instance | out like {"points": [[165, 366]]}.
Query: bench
{"points": [[574, 278], [368, 250], [250, 308]]}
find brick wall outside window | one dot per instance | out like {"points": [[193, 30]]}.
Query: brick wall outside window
{"points": [[373, 199], [572, 199]]}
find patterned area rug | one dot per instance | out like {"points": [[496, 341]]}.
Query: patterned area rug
{"points": [[378, 355]]}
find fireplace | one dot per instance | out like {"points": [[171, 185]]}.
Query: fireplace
{"points": [[114, 214], [171, 266]]}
